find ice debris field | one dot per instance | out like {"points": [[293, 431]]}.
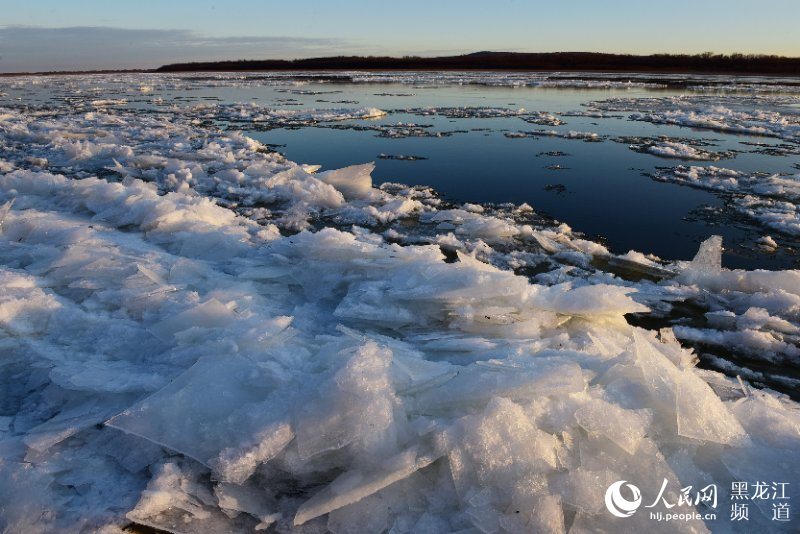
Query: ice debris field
{"points": [[199, 335]]}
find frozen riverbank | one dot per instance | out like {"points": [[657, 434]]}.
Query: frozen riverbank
{"points": [[200, 335]]}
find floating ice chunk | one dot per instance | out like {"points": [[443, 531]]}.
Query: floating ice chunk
{"points": [[588, 137], [311, 169], [780, 215], [672, 149], [638, 257], [765, 345], [760, 318], [722, 319], [354, 181], [706, 272], [710, 177], [723, 119], [108, 102], [767, 243]]}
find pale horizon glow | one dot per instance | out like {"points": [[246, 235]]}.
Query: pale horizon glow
{"points": [[56, 35]]}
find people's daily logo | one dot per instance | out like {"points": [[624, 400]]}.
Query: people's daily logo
{"points": [[619, 505]]}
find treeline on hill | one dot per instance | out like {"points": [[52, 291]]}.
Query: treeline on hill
{"points": [[707, 62]]}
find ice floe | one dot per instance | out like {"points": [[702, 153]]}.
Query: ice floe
{"points": [[589, 137], [677, 150], [723, 114], [769, 200]]}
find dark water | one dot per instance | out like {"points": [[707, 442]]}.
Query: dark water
{"points": [[602, 189]]}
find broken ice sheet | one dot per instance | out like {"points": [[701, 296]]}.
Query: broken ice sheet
{"points": [[699, 412], [177, 500], [210, 314], [355, 406], [624, 427], [78, 414], [475, 385], [213, 406], [542, 387], [235, 499], [353, 486]]}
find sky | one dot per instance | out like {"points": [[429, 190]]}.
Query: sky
{"points": [[43, 35]]}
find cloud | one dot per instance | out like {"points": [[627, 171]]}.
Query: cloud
{"points": [[33, 48]]}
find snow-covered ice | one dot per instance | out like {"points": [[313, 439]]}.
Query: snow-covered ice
{"points": [[770, 200], [718, 113], [679, 150]]}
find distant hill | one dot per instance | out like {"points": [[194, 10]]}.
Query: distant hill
{"points": [[563, 61]]}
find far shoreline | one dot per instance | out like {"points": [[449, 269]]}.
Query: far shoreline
{"points": [[550, 62], [620, 72]]}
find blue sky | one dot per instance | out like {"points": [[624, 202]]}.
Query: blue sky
{"points": [[52, 34]]}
